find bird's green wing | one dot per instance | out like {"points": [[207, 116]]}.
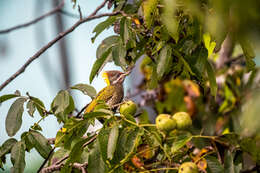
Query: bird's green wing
{"points": [[105, 94]]}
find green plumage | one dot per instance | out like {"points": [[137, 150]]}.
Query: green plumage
{"points": [[112, 94]]}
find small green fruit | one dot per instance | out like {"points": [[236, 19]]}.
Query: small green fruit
{"points": [[128, 107], [164, 122], [183, 120], [188, 167]]}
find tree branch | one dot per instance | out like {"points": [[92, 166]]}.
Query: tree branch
{"points": [[45, 161], [52, 168], [55, 10], [51, 43]]}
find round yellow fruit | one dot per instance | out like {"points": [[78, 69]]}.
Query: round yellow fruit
{"points": [[182, 119], [188, 167], [128, 107], [164, 122]]}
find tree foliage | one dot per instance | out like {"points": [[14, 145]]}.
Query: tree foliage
{"points": [[178, 43]]}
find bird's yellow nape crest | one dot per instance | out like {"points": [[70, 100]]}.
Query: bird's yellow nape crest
{"points": [[105, 77]]}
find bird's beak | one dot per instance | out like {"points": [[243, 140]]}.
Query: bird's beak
{"points": [[129, 70]]}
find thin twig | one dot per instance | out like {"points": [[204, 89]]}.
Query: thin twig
{"points": [[51, 43], [55, 10], [45, 161], [78, 114], [80, 13], [98, 8], [52, 168], [90, 141], [61, 160]]}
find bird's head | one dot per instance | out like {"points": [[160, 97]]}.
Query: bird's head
{"points": [[113, 76]]}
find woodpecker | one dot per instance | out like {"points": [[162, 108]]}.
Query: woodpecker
{"points": [[113, 93]]}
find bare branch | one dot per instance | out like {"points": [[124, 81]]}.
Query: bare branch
{"points": [[51, 43], [57, 167], [90, 141], [98, 8], [55, 10], [54, 167]]}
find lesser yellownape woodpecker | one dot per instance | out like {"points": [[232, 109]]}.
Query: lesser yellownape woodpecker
{"points": [[113, 93]]}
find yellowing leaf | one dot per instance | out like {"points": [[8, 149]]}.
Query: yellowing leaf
{"points": [[149, 7]]}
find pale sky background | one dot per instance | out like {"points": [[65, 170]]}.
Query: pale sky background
{"points": [[16, 47]]}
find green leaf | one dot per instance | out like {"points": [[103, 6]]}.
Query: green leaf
{"points": [[169, 19], [99, 64], [127, 141], [165, 57], [71, 106], [76, 152], [103, 137], [229, 166], [144, 118], [40, 143], [61, 102], [153, 82], [186, 65], [7, 146], [249, 145], [213, 165], [125, 25], [119, 55], [248, 52], [91, 115], [7, 97], [102, 26], [180, 142], [13, 119], [201, 56], [210, 46], [28, 144], [39, 105], [95, 162], [18, 157], [106, 44], [60, 153], [86, 89], [72, 129], [112, 142], [212, 79], [31, 107]]}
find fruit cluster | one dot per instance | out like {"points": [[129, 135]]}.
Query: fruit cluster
{"points": [[180, 120]]}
